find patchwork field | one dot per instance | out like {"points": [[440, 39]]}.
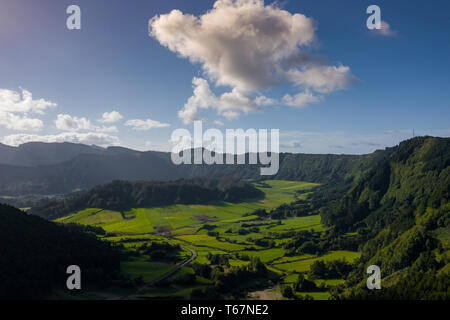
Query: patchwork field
{"points": [[213, 228]]}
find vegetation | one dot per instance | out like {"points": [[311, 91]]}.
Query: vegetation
{"points": [[124, 195], [297, 240], [50, 169], [35, 254], [400, 209]]}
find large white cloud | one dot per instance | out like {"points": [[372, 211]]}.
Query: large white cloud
{"points": [[16, 109], [144, 125], [67, 122], [249, 47], [238, 43], [89, 138]]}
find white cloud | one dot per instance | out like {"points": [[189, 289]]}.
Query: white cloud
{"points": [[300, 100], [14, 102], [144, 125], [249, 47], [238, 43], [16, 122], [385, 30], [90, 138], [15, 110], [322, 79], [111, 117], [228, 105], [110, 129], [219, 123], [66, 122]]}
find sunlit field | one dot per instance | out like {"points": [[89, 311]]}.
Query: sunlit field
{"points": [[183, 224]]}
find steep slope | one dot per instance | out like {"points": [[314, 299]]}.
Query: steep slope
{"points": [[35, 253], [402, 208]]}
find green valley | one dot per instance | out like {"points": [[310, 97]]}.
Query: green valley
{"points": [[230, 231], [231, 238]]}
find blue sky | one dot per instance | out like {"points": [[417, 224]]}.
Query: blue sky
{"points": [[395, 81]]}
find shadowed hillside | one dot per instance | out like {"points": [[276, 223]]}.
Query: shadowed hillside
{"points": [[35, 254]]}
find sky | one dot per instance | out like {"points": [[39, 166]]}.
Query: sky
{"points": [[137, 70]]}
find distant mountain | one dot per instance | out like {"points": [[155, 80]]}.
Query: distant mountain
{"points": [[64, 168], [40, 154], [84, 172]]}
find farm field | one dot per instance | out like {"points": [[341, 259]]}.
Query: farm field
{"points": [[214, 229]]}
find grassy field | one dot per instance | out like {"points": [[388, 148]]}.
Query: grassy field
{"points": [[210, 242], [142, 220], [183, 224], [147, 270], [303, 263]]}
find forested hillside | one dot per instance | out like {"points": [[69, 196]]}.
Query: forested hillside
{"points": [[38, 153], [35, 253], [86, 171], [402, 209], [49, 169], [123, 195]]}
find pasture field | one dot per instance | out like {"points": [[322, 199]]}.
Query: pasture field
{"points": [[210, 242], [298, 224], [213, 228], [267, 255], [303, 264], [143, 220], [149, 271], [317, 295]]}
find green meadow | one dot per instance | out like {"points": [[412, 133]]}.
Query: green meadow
{"points": [[143, 220], [302, 264], [149, 271], [183, 224]]}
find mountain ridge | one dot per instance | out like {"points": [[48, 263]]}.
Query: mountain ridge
{"points": [[99, 166], [401, 207]]}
